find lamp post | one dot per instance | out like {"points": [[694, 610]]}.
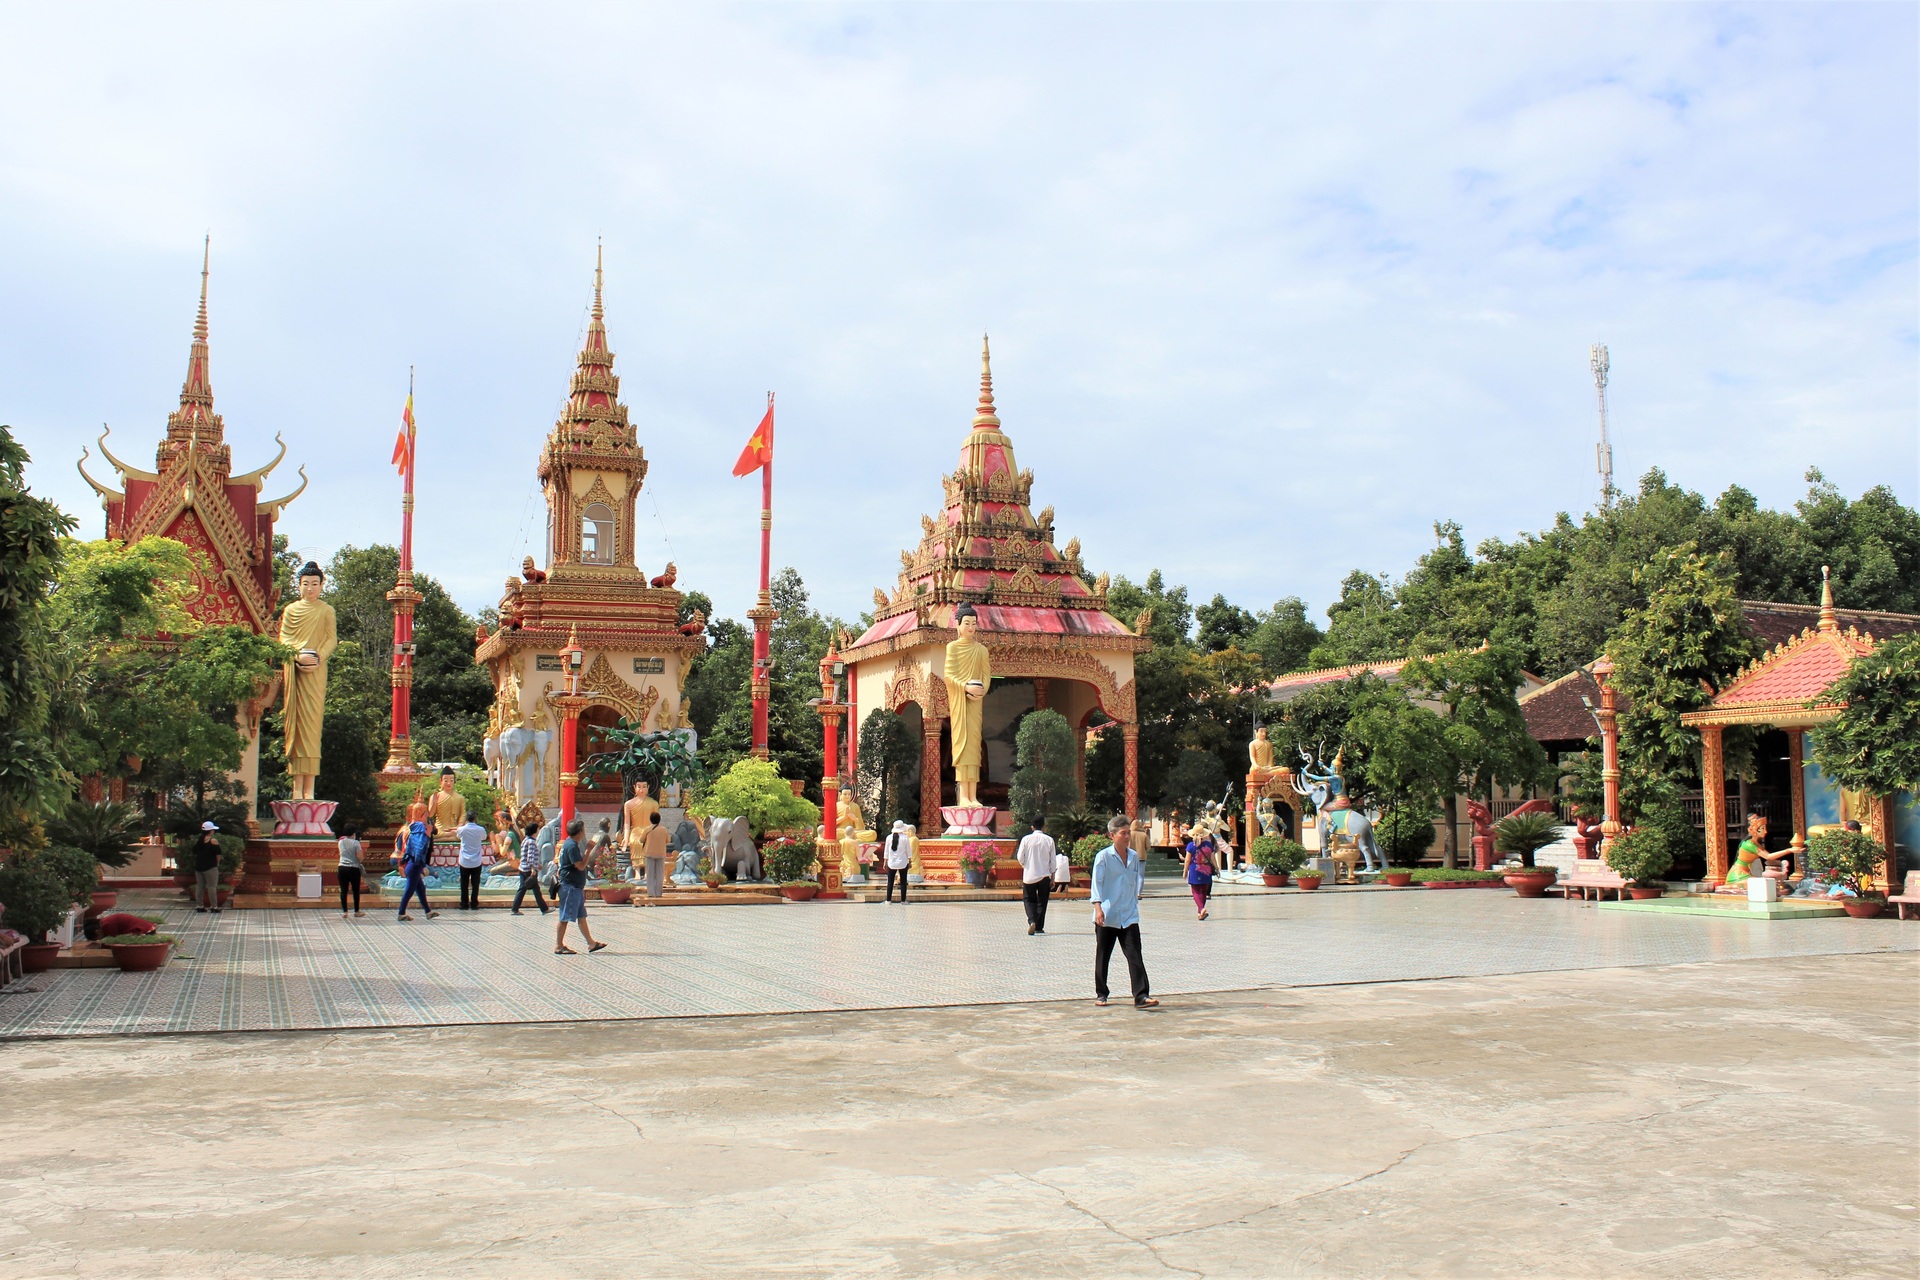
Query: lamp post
{"points": [[570, 703], [828, 704], [1609, 753]]}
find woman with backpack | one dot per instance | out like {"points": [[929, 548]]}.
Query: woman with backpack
{"points": [[1199, 872]]}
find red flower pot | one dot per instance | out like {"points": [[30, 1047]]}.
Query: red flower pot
{"points": [[103, 902], [616, 894], [1273, 879], [140, 957], [799, 892], [37, 957], [1531, 884], [1863, 908], [1640, 894], [1307, 882], [1398, 879]]}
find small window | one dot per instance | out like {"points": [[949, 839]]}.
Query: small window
{"points": [[596, 535]]}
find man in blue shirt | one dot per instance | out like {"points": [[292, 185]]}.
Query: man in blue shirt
{"points": [[1117, 877]]}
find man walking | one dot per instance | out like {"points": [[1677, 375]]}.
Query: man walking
{"points": [[530, 871], [1035, 855], [206, 869], [1117, 876], [573, 892], [473, 858], [415, 853]]}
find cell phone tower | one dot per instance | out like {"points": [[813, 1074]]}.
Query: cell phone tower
{"points": [[1603, 454]]}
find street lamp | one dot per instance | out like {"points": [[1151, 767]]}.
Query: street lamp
{"points": [[572, 658]]}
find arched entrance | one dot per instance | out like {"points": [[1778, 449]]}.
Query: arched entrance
{"points": [[604, 791]]}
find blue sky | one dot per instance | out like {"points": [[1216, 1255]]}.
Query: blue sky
{"points": [[1271, 288]]}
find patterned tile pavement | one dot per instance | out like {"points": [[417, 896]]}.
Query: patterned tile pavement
{"points": [[282, 970]]}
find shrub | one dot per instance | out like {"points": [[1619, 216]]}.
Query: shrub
{"points": [[1277, 856], [978, 856], [77, 872], [1087, 848], [1043, 781], [1454, 875], [1525, 834], [108, 831], [1848, 857], [36, 899], [1641, 855], [753, 789], [788, 861], [1405, 833], [1070, 826]]}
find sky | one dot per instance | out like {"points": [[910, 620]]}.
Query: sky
{"points": [[1271, 288]]}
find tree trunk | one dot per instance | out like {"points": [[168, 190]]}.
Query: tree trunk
{"points": [[1450, 845]]}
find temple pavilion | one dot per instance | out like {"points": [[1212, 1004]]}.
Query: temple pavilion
{"points": [[1045, 622], [590, 590], [192, 497]]}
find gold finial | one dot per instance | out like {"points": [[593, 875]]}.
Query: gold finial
{"points": [[1829, 621], [598, 254], [984, 415]]}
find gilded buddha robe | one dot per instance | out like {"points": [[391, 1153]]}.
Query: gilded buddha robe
{"points": [[967, 661], [306, 624]]}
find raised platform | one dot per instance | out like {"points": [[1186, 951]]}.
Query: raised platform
{"points": [[1732, 908]]}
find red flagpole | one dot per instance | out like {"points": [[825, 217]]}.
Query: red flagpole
{"points": [[404, 598], [763, 612]]}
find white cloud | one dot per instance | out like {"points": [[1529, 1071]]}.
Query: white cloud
{"points": [[1272, 288]]}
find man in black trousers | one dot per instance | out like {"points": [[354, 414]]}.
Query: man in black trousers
{"points": [[1035, 854]]}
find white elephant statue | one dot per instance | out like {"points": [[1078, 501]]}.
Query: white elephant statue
{"points": [[730, 848], [496, 763]]}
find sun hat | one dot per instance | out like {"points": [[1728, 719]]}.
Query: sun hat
{"points": [[208, 826]]}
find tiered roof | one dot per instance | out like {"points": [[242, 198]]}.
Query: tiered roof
{"points": [[592, 431], [193, 498], [988, 548]]}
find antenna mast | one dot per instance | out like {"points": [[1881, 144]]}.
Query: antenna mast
{"points": [[1603, 454]]}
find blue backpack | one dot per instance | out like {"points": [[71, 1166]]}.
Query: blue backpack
{"points": [[419, 845]]}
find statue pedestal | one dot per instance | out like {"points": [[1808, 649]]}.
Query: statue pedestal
{"points": [[967, 820], [302, 817]]}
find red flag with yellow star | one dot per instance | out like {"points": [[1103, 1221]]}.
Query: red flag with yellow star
{"points": [[759, 450]]}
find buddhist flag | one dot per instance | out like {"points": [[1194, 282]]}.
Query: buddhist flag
{"points": [[403, 443], [759, 450]]}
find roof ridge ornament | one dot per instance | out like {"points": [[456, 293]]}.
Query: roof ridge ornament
{"points": [[985, 415], [1829, 620]]}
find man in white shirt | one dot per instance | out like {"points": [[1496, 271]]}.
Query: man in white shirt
{"points": [[1036, 853], [473, 857]]}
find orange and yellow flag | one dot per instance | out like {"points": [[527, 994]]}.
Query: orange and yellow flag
{"points": [[403, 443], [759, 450]]}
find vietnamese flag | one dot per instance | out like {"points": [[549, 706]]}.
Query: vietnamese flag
{"points": [[759, 450], [403, 443]]}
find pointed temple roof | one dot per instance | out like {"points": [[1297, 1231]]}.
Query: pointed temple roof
{"points": [[592, 430], [989, 549], [1783, 688], [192, 497]]}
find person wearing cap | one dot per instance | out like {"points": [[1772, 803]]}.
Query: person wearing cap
{"points": [[206, 869], [899, 857]]}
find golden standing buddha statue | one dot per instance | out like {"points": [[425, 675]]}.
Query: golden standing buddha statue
{"points": [[969, 672], [308, 626]]}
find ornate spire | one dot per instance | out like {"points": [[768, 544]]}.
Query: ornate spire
{"points": [[984, 415], [194, 426], [599, 252], [1829, 620]]}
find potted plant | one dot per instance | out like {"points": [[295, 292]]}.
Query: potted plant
{"points": [[799, 890], [1308, 880], [36, 903], [78, 873], [108, 831], [140, 952], [1846, 858], [789, 860], [1084, 851], [1398, 877], [1458, 878], [616, 893], [1522, 835], [976, 862], [1277, 859], [1641, 856]]}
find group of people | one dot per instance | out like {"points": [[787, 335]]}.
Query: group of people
{"points": [[1118, 877]]}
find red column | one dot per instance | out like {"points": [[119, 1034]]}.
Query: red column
{"points": [[763, 614], [404, 598], [830, 807], [1132, 732], [569, 757]]}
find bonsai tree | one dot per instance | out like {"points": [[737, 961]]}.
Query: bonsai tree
{"points": [[1846, 858], [106, 830], [36, 899], [754, 790], [1044, 781], [1525, 834], [1276, 856], [1641, 856], [1405, 833]]}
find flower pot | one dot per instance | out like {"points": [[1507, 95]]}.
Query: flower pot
{"points": [[1398, 879], [799, 892], [1640, 893], [978, 879], [615, 895], [1863, 908], [184, 882], [103, 902], [1274, 879], [1307, 882], [1530, 884], [140, 957], [37, 957]]}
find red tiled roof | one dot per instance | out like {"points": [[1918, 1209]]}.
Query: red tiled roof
{"points": [[1555, 713], [1775, 622], [1299, 682]]}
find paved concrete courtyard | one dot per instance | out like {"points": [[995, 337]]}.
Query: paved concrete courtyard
{"points": [[1596, 1094]]}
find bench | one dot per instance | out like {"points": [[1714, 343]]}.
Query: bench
{"points": [[1590, 875], [1910, 897]]}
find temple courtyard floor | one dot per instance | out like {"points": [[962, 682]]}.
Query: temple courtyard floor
{"points": [[1362, 1083]]}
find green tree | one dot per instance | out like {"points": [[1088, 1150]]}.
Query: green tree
{"points": [[1403, 749], [754, 790], [1283, 637], [1196, 777], [1874, 745], [1046, 757], [1669, 655], [353, 736], [889, 763], [1485, 735], [33, 783], [1222, 625]]}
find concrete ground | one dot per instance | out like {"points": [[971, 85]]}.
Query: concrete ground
{"points": [[1750, 1118]]}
